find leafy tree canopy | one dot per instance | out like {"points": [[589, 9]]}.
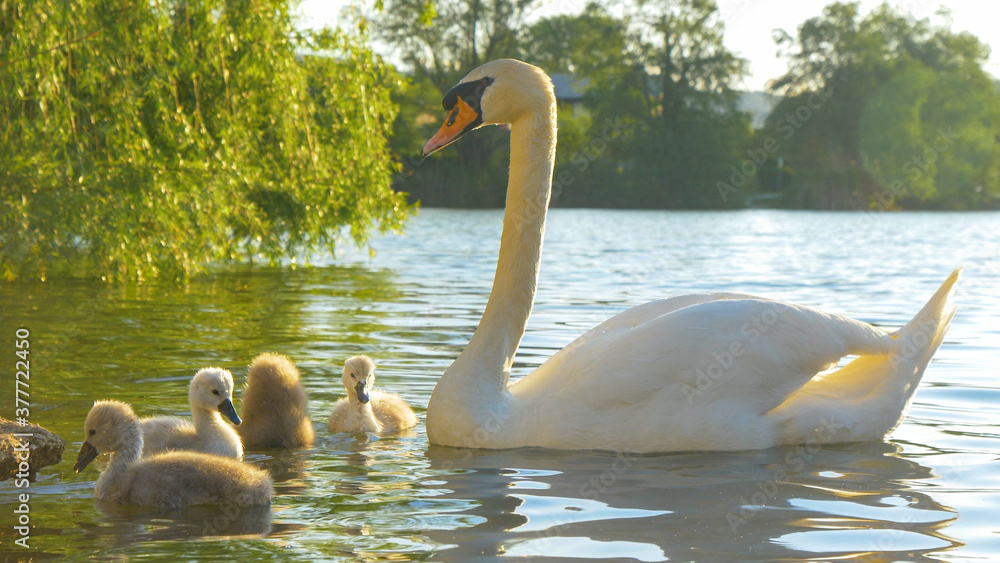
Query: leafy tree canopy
{"points": [[154, 138], [659, 125], [907, 112], [438, 52]]}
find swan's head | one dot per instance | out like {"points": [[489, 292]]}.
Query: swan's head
{"points": [[359, 377], [211, 389], [500, 91], [110, 425]]}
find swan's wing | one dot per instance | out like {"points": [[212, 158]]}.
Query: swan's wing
{"points": [[644, 313], [754, 350]]}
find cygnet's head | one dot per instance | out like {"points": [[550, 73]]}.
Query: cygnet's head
{"points": [[359, 377], [109, 426], [211, 389], [500, 91]]}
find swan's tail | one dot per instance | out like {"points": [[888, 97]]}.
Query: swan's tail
{"points": [[922, 336], [869, 397]]}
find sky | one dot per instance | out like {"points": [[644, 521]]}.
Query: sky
{"points": [[749, 24]]}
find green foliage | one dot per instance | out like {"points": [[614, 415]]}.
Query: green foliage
{"points": [[878, 111], [891, 131], [908, 114], [662, 102], [145, 139], [463, 35], [659, 127], [583, 44], [458, 36]]}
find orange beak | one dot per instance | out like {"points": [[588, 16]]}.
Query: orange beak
{"points": [[459, 120]]}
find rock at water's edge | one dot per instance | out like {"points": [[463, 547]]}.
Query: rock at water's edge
{"points": [[44, 448]]}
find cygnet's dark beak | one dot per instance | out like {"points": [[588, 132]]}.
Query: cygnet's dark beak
{"points": [[362, 392], [86, 455], [226, 408]]}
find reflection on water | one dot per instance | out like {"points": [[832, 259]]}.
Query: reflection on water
{"points": [[786, 502], [930, 494], [123, 526]]}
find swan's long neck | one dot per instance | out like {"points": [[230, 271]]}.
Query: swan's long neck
{"points": [[115, 478], [485, 363], [131, 450], [206, 418]]}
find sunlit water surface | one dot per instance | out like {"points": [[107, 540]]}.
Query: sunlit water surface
{"points": [[932, 492]]}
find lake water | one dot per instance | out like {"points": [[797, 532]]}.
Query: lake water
{"points": [[931, 492]]}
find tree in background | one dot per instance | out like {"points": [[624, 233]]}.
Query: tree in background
{"points": [[664, 123], [661, 126], [592, 47], [585, 44], [907, 115], [696, 131], [439, 49], [145, 139]]}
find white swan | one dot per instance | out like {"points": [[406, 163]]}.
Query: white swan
{"points": [[717, 371], [210, 393], [168, 480], [366, 409]]}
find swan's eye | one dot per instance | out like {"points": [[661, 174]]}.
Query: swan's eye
{"points": [[353, 377], [92, 432], [215, 392]]}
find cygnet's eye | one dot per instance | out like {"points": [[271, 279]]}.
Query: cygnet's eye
{"points": [[353, 376], [92, 432], [215, 392]]}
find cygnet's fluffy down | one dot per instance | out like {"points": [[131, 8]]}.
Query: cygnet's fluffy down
{"points": [[274, 406], [366, 409], [210, 393], [170, 480]]}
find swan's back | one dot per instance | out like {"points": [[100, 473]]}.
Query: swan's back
{"points": [[178, 479], [274, 405], [753, 351], [392, 412], [662, 384], [159, 433], [168, 433]]}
